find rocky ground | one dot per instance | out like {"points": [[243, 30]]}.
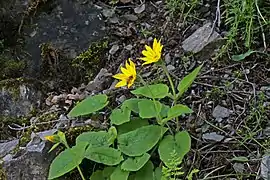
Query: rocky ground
{"points": [[55, 53]]}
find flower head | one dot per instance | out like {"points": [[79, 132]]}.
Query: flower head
{"points": [[52, 138], [152, 55], [128, 75]]}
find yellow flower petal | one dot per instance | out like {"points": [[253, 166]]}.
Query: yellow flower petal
{"points": [[124, 71], [49, 138], [120, 76], [120, 84]]}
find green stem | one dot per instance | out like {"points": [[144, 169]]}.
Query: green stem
{"points": [[78, 167], [173, 91], [170, 79]]}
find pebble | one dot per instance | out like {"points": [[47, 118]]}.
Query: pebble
{"points": [[213, 136], [114, 49]]}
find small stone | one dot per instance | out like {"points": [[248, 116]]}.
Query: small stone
{"points": [[265, 167], [114, 49], [167, 58], [170, 67], [108, 12], [121, 99], [239, 167], [139, 9], [129, 47], [221, 112], [130, 17], [7, 147], [213, 136]]}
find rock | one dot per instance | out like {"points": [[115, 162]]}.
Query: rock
{"points": [[100, 81], [7, 147], [170, 67], [213, 136], [30, 163], [129, 47], [114, 49], [19, 97], [202, 40], [167, 58], [108, 12], [265, 167], [139, 9], [221, 112], [130, 17], [239, 167]]}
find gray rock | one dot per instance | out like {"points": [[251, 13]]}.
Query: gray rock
{"points": [[167, 58], [139, 9], [18, 98], [114, 49], [31, 163], [221, 112], [130, 17], [100, 81], [265, 167], [7, 147], [200, 39], [170, 67], [213, 136], [239, 167]]}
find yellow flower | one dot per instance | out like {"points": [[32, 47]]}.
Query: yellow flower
{"points": [[152, 55], [50, 138], [127, 76]]}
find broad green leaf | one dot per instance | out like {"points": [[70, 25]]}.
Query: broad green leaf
{"points": [[105, 155], [97, 175], [139, 141], [119, 174], [172, 148], [89, 105], [120, 116], [241, 57], [132, 104], [240, 159], [95, 139], [176, 111], [136, 163], [132, 125], [149, 108], [152, 91], [67, 160], [186, 82], [113, 134], [158, 173], [146, 172], [107, 172]]}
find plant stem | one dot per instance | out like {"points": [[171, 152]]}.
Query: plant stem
{"points": [[173, 91], [80, 171], [169, 78]]}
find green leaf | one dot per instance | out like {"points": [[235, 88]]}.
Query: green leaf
{"points": [[95, 139], [89, 105], [139, 141], [136, 163], [240, 159], [146, 172], [67, 160], [172, 148], [158, 173], [186, 82], [105, 155], [132, 104], [97, 175], [152, 91], [149, 108], [107, 172], [241, 57], [119, 174], [132, 125], [54, 146], [176, 111], [120, 116], [164, 110], [190, 175], [113, 134]]}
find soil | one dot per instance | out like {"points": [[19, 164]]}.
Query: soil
{"points": [[242, 87]]}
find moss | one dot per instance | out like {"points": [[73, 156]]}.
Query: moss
{"points": [[73, 133], [90, 60], [11, 68], [2, 174]]}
